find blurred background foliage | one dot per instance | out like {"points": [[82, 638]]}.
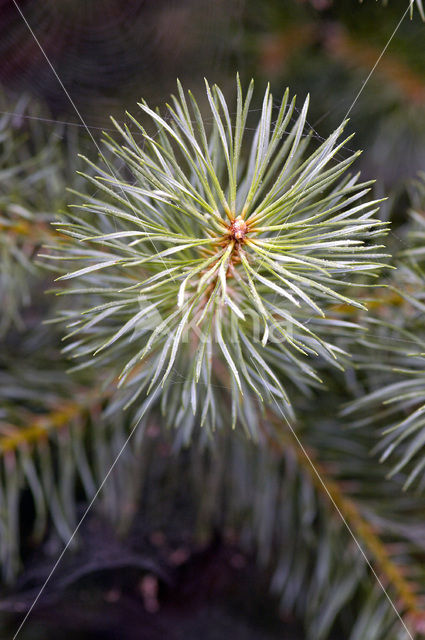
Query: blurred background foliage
{"points": [[186, 542]]}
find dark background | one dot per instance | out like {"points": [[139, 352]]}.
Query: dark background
{"points": [[110, 53]]}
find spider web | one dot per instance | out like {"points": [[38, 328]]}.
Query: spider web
{"points": [[94, 51]]}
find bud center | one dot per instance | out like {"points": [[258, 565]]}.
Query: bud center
{"points": [[238, 229]]}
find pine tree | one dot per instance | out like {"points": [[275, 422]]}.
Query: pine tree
{"points": [[228, 318]]}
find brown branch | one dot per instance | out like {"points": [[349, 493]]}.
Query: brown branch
{"points": [[37, 429], [39, 426], [35, 230]]}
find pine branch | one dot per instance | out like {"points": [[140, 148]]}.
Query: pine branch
{"points": [[220, 249], [268, 500], [397, 397], [55, 451], [34, 172], [236, 479], [406, 593], [60, 458]]}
